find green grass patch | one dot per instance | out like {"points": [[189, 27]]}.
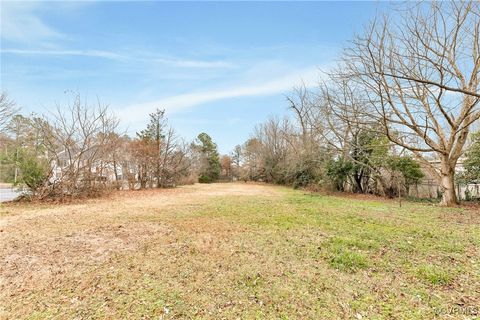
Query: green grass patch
{"points": [[348, 260], [434, 274]]}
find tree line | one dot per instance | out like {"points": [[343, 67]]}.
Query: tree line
{"points": [[79, 151]]}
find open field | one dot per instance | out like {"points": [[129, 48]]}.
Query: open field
{"points": [[238, 251]]}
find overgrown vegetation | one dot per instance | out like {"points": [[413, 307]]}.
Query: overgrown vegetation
{"points": [[78, 152], [278, 153]]}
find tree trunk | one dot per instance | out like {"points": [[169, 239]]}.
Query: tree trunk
{"points": [[449, 197], [358, 182], [115, 170]]}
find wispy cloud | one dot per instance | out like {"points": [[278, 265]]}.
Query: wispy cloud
{"points": [[194, 63], [86, 53], [137, 57], [177, 103], [21, 24]]}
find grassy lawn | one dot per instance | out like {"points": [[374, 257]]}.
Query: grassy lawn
{"points": [[238, 251]]}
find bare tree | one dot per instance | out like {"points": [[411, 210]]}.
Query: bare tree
{"points": [[171, 159], [7, 110], [117, 157], [236, 157], [77, 138], [350, 131], [302, 103], [421, 76], [253, 164], [226, 163], [278, 139], [181, 164], [161, 157], [142, 163]]}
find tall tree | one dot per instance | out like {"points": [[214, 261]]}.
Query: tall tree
{"points": [[210, 169], [254, 168], [420, 73], [236, 157], [226, 163], [24, 161], [273, 138], [154, 137]]}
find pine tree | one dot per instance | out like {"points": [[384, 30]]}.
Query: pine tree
{"points": [[211, 168], [154, 135]]}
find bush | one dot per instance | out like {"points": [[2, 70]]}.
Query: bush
{"points": [[26, 168], [33, 171], [303, 176], [205, 179], [338, 171]]}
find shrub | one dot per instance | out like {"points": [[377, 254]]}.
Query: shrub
{"points": [[338, 171], [205, 179], [33, 171]]}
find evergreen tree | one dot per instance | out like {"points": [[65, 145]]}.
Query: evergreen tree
{"points": [[153, 136], [211, 168], [472, 162]]}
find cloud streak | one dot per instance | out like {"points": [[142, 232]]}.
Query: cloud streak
{"points": [[86, 53], [21, 24], [169, 62], [182, 102], [193, 63]]}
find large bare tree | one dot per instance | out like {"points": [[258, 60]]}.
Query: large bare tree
{"points": [[420, 72]]}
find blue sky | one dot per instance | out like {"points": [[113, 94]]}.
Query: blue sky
{"points": [[216, 67]]}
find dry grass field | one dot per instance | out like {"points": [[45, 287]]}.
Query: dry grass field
{"points": [[231, 251]]}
